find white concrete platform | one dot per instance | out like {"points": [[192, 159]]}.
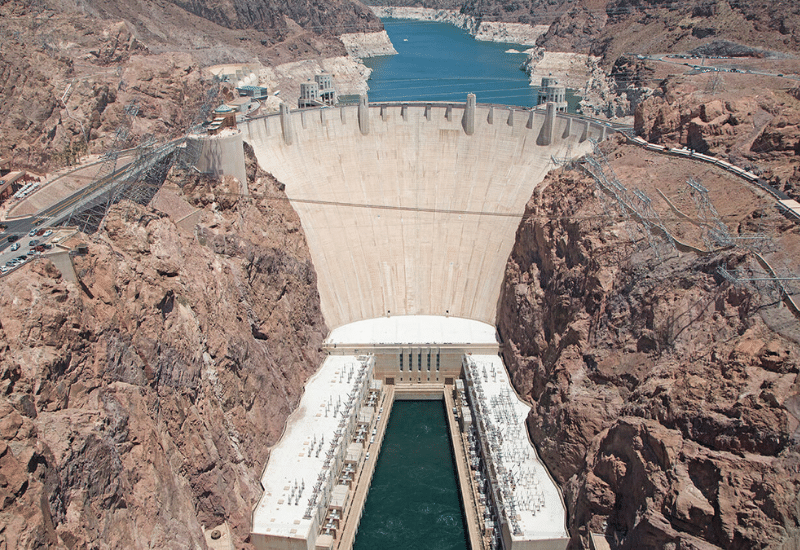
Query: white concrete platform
{"points": [[533, 507], [295, 467], [414, 329]]}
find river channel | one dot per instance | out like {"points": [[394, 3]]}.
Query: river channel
{"points": [[414, 502]]}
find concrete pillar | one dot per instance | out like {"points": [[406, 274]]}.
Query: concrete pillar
{"points": [[567, 128], [490, 116], [322, 118], [286, 124], [404, 112], [223, 156], [303, 119], [448, 114], [468, 120], [428, 112], [529, 124], [546, 135], [585, 133], [604, 133], [510, 120], [384, 113], [363, 115], [63, 262], [342, 114]]}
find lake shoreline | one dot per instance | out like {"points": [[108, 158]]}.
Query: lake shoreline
{"points": [[486, 31]]}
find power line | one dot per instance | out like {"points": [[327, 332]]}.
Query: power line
{"points": [[431, 210]]}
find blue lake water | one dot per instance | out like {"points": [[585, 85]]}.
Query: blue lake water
{"points": [[413, 502], [440, 62]]}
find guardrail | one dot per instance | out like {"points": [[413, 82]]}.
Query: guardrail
{"points": [[456, 105], [727, 166]]}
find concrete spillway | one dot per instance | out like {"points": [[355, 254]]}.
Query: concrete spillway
{"points": [[412, 209]]}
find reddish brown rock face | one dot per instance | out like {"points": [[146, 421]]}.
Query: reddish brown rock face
{"points": [[142, 404], [67, 71], [664, 404], [751, 126]]}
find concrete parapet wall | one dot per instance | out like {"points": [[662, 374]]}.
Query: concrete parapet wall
{"points": [[404, 212], [222, 155]]}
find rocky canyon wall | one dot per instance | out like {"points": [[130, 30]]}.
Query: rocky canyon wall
{"points": [[140, 405], [665, 402], [68, 69], [752, 121]]}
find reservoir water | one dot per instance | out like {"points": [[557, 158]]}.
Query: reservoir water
{"points": [[413, 501], [440, 62]]}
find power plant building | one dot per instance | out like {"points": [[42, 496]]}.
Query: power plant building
{"points": [[318, 475]]}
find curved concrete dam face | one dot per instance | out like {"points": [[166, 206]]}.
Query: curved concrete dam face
{"points": [[413, 209]]}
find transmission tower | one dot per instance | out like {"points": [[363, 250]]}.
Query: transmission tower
{"points": [[714, 85], [89, 213], [205, 108], [630, 204], [715, 232]]}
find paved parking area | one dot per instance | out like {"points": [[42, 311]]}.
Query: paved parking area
{"points": [[29, 247]]}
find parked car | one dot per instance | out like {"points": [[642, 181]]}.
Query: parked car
{"points": [[48, 233], [32, 233], [14, 247], [13, 238], [33, 242], [40, 232]]}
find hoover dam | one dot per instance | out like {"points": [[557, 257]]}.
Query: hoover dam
{"points": [[410, 212], [412, 209]]}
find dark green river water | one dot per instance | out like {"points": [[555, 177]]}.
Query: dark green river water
{"points": [[414, 502]]}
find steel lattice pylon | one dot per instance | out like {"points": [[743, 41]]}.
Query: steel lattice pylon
{"points": [[631, 205]]}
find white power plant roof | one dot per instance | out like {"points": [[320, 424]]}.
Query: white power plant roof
{"points": [[533, 506], [414, 329], [292, 471]]}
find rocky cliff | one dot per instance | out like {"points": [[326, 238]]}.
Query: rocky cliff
{"points": [[140, 405], [68, 69], [754, 124], [665, 399]]}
